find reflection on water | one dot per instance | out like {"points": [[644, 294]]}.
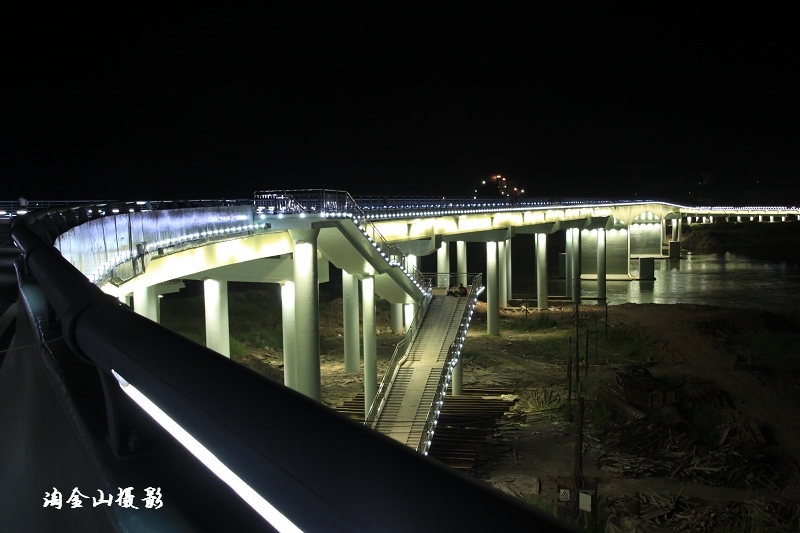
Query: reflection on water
{"points": [[727, 280]]}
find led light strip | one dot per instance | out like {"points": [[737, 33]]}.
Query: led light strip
{"points": [[253, 498]]}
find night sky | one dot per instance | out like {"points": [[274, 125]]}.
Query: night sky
{"points": [[211, 101]]}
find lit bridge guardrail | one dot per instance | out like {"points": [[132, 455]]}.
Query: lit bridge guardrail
{"points": [[114, 241]]}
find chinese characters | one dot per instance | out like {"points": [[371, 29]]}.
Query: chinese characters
{"points": [[125, 498]]}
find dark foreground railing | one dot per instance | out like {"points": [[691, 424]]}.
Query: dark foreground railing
{"points": [[95, 398]]}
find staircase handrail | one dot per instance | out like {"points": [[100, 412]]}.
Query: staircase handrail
{"points": [[398, 358], [453, 356]]}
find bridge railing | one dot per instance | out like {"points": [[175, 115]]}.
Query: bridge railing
{"points": [[114, 241], [398, 358], [338, 204], [453, 356], [385, 205]]}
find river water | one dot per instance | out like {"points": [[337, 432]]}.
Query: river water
{"points": [[726, 280]]}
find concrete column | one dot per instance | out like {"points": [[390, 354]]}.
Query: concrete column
{"points": [[370, 341], [443, 265], [501, 263], [145, 302], [663, 234], [411, 263], [408, 312], [217, 327], [680, 226], [492, 291], [306, 308], [289, 327], [568, 269], [508, 269], [576, 265], [352, 337], [541, 270], [675, 229], [456, 384], [461, 262], [628, 250], [601, 263], [397, 318]]}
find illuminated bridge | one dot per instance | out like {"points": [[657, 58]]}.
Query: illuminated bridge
{"points": [[96, 397]]}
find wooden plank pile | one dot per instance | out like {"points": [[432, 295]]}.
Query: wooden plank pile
{"points": [[679, 513], [639, 387], [644, 447], [467, 425]]}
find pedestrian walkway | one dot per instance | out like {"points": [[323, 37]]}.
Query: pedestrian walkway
{"points": [[409, 400]]}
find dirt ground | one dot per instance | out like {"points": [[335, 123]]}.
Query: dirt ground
{"points": [[685, 345], [681, 344]]}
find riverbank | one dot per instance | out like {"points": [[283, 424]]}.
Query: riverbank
{"points": [[779, 241], [744, 360]]}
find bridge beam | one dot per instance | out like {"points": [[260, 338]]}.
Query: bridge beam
{"points": [[352, 341], [306, 306], [541, 271], [492, 291], [215, 298], [370, 341]]}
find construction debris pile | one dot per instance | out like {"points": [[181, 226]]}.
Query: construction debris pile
{"points": [[678, 513], [467, 424], [660, 442]]}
